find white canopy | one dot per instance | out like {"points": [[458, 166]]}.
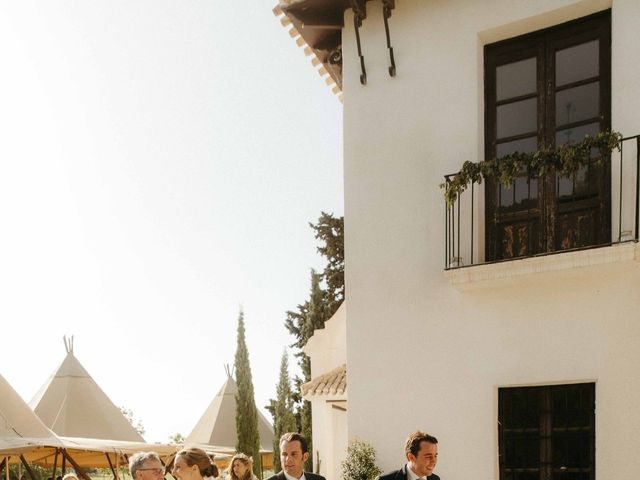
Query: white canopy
{"points": [[73, 405], [22, 433], [217, 426], [20, 429]]}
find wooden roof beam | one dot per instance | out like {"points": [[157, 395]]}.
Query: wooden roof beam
{"points": [[315, 18]]}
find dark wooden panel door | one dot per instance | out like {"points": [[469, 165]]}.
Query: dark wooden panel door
{"points": [[545, 89]]}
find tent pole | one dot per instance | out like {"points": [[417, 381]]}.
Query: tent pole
{"points": [[169, 466], [55, 465], [115, 475], [64, 465], [27, 467], [6, 468], [3, 463], [79, 470]]}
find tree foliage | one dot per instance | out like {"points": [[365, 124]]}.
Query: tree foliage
{"points": [[176, 438], [330, 231], [325, 296], [246, 413], [301, 324], [137, 424], [282, 410], [18, 472]]}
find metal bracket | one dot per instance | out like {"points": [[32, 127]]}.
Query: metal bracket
{"points": [[359, 8], [359, 13], [387, 6], [357, 23]]}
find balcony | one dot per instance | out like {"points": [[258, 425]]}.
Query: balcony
{"points": [[542, 219]]}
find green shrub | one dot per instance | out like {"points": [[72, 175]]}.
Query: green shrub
{"points": [[360, 463]]}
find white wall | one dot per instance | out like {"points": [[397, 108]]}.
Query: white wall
{"points": [[327, 350], [329, 433], [422, 354]]}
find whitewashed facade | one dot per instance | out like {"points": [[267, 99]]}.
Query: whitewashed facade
{"points": [[327, 392], [432, 349]]}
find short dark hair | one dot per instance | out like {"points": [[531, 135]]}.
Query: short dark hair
{"points": [[295, 437], [414, 440]]}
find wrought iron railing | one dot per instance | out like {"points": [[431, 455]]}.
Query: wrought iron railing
{"points": [[466, 239]]}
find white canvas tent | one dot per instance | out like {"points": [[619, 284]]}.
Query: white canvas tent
{"points": [[24, 438], [20, 429], [216, 429], [72, 404]]}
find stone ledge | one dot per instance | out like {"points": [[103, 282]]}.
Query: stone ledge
{"points": [[494, 274]]}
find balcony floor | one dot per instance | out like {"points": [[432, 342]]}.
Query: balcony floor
{"points": [[608, 258]]}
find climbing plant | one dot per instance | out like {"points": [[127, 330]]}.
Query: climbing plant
{"points": [[566, 159]]}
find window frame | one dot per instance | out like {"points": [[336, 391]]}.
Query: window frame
{"points": [[540, 221], [546, 431]]}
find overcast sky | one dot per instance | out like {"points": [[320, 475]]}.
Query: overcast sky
{"points": [[159, 163]]}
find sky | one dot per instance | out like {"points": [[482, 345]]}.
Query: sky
{"points": [[159, 163]]}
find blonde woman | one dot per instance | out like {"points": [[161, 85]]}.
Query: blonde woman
{"points": [[193, 464], [241, 468]]}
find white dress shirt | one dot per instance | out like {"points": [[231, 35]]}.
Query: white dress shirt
{"points": [[289, 477], [411, 475]]}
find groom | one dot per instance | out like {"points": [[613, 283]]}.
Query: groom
{"points": [[293, 453], [421, 451]]}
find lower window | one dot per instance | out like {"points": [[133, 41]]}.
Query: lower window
{"points": [[547, 433]]}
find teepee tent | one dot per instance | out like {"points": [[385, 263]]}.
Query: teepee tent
{"points": [[73, 405], [20, 429], [217, 426], [25, 439]]}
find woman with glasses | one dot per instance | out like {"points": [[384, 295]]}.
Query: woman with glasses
{"points": [[193, 464], [241, 468]]}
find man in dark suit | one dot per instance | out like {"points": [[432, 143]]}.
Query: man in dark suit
{"points": [[294, 451], [421, 450]]}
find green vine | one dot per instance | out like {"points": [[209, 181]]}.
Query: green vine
{"points": [[567, 159]]}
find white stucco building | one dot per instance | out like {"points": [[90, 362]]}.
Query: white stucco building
{"points": [[524, 362], [327, 392]]}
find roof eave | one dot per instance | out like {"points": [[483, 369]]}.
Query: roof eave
{"points": [[317, 25]]}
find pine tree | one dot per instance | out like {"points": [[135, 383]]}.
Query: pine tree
{"points": [[246, 412], [311, 315], [284, 419], [330, 231]]}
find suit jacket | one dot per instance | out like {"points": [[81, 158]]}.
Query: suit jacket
{"points": [[307, 475], [402, 475]]}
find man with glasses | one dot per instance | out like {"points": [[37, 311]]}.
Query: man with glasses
{"points": [[146, 466]]}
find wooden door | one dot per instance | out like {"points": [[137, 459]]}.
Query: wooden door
{"points": [[544, 89]]}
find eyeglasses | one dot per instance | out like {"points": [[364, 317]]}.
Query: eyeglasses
{"points": [[157, 471]]}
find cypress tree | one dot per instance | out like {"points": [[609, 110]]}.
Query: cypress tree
{"points": [[246, 412], [284, 419]]}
